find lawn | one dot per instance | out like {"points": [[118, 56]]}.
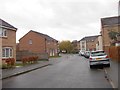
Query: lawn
{"points": [[54, 56]]}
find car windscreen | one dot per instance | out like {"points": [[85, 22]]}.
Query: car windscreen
{"points": [[102, 53], [87, 53]]}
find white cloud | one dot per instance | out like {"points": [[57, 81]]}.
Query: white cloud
{"points": [[61, 19]]}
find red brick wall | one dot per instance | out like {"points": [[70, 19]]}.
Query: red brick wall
{"points": [[52, 45], [105, 36], [38, 43], [106, 49], [91, 45], [10, 41], [106, 39]]}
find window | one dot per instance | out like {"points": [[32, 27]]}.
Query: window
{"points": [[30, 41], [7, 52], [3, 33], [83, 43], [48, 42], [55, 43]]}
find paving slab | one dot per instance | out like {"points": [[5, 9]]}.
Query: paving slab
{"points": [[6, 73]]}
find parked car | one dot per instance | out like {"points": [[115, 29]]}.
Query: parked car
{"points": [[87, 54], [98, 58], [81, 53]]}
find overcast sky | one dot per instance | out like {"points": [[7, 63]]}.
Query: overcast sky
{"points": [[60, 19]]}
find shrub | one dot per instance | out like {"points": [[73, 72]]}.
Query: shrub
{"points": [[8, 62], [31, 59]]}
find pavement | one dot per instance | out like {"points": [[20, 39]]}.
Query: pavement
{"points": [[113, 72], [6, 73]]}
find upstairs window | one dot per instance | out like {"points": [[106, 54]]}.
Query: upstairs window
{"points": [[3, 33], [30, 41], [48, 41]]}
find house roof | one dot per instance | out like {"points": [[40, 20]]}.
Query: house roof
{"points": [[41, 34], [74, 41], [110, 21], [89, 38], [44, 35], [6, 25]]}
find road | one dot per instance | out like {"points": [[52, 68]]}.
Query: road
{"points": [[69, 71]]}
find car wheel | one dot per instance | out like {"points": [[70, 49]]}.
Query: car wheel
{"points": [[91, 66], [108, 65]]}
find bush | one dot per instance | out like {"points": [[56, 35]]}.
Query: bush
{"points": [[8, 62], [32, 59]]}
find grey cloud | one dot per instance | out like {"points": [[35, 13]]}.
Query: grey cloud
{"points": [[69, 19]]}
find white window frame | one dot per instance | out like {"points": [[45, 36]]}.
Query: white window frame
{"points": [[10, 53], [3, 32], [30, 41]]}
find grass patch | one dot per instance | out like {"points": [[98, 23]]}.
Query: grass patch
{"points": [[54, 56], [19, 64], [3, 66]]}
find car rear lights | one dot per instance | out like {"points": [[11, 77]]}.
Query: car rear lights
{"points": [[106, 56], [90, 58]]}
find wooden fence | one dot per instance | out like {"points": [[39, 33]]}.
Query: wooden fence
{"points": [[114, 53]]}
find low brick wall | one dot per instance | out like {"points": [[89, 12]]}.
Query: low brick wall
{"points": [[114, 52], [21, 54]]}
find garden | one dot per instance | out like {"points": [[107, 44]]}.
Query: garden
{"points": [[11, 63]]}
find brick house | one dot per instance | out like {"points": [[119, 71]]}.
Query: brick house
{"points": [[109, 24], [7, 40], [89, 43], [99, 44], [38, 43], [76, 45]]}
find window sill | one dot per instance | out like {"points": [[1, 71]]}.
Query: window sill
{"points": [[3, 36], [6, 57]]}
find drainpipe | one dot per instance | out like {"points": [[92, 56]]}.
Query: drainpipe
{"points": [[45, 45]]}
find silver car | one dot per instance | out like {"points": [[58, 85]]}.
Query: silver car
{"points": [[81, 53], [98, 58]]}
